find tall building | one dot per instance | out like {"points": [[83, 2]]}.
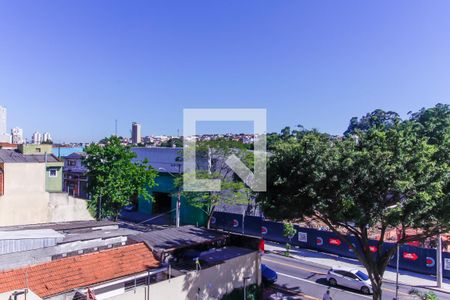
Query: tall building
{"points": [[4, 136], [36, 138], [136, 137], [17, 135], [46, 137]]}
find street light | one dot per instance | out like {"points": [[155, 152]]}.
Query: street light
{"points": [[177, 209]]}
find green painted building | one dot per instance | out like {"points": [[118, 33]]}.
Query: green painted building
{"points": [[54, 176], [167, 162]]}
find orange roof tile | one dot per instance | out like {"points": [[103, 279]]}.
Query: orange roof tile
{"points": [[66, 274]]}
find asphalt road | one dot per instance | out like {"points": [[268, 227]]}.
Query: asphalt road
{"points": [[309, 281]]}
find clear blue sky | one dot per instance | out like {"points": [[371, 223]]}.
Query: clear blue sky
{"points": [[72, 67]]}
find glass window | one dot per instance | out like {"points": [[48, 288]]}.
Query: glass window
{"points": [[53, 172], [350, 275], [362, 275]]}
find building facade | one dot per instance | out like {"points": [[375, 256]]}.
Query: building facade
{"points": [[46, 137], [36, 138], [4, 136], [75, 175], [31, 188], [17, 135], [136, 137], [168, 163]]}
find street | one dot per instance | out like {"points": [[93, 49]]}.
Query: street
{"points": [[309, 281]]}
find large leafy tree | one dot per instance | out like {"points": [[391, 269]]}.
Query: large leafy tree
{"points": [[382, 177], [114, 179], [377, 118]]}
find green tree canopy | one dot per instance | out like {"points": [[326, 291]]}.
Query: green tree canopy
{"points": [[114, 179], [377, 179]]}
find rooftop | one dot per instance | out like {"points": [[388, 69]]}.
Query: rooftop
{"points": [[176, 238], [12, 156], [161, 158], [59, 276]]}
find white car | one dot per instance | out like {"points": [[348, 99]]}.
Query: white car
{"points": [[351, 278]]}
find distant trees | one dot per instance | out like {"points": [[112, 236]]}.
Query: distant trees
{"points": [[172, 142], [386, 173], [114, 179]]}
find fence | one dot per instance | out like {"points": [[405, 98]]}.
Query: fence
{"points": [[416, 259]]}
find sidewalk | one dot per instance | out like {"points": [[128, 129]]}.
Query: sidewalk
{"points": [[330, 260]]}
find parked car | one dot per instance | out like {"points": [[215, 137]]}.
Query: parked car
{"points": [[350, 278], [268, 275]]}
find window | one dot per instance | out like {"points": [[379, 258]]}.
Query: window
{"points": [[53, 172], [362, 275], [71, 163]]}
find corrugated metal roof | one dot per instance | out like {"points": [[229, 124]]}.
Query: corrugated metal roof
{"points": [[177, 238], [160, 158], [63, 226], [30, 234]]}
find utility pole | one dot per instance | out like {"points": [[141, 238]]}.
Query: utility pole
{"points": [[397, 267], [177, 212], [439, 262]]}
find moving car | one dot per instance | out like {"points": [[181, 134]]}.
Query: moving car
{"points": [[351, 278], [268, 275]]}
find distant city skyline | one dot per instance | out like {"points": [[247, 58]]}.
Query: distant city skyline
{"points": [[73, 68]]}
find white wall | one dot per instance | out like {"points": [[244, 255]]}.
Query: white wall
{"points": [[25, 200], [214, 282], [30, 296]]}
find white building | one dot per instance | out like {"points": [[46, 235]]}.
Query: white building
{"points": [[136, 137], [17, 135], [36, 138], [46, 137], [4, 136]]}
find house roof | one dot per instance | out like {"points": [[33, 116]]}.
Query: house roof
{"points": [[176, 238], [12, 156], [30, 234], [67, 274], [76, 155], [161, 158]]}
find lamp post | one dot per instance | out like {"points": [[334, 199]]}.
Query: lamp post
{"points": [[178, 204], [397, 267], [439, 262]]}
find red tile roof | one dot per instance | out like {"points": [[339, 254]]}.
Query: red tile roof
{"points": [[66, 274]]}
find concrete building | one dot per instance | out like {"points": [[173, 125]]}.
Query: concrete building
{"points": [[46, 137], [17, 135], [136, 137], [31, 188], [75, 175], [4, 136], [36, 138]]}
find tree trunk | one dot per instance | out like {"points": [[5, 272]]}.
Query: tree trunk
{"points": [[208, 223], [377, 281]]}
